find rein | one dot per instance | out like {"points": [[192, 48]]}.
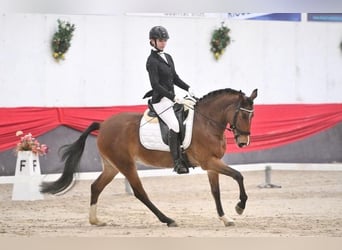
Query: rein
{"points": [[232, 126], [208, 118]]}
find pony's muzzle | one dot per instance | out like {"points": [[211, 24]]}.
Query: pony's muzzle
{"points": [[242, 141]]}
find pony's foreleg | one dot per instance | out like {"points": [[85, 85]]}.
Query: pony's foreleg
{"points": [[215, 190], [107, 175], [219, 167], [141, 195]]}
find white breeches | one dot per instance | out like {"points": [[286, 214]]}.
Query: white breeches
{"points": [[164, 108]]}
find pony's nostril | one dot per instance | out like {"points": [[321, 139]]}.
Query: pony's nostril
{"points": [[241, 144]]}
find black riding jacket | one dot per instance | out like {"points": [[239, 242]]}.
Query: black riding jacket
{"points": [[163, 77]]}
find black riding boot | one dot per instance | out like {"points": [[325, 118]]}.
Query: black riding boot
{"points": [[174, 144]]}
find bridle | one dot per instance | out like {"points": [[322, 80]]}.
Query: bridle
{"points": [[233, 126]]}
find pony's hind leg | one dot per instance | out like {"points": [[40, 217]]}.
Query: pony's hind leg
{"points": [[140, 194], [107, 175]]}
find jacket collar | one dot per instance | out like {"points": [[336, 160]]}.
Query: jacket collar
{"points": [[156, 54]]}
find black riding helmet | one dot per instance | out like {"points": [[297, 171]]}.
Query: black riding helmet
{"points": [[159, 32]]}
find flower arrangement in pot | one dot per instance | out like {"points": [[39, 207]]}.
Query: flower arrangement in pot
{"points": [[29, 143]]}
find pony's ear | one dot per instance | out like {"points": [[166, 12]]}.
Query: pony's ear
{"points": [[254, 94]]}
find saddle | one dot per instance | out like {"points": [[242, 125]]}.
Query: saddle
{"points": [[181, 115], [153, 132]]}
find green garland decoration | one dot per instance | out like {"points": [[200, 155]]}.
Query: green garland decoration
{"points": [[61, 40], [219, 41]]}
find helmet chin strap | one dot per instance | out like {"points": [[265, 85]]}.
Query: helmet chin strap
{"points": [[155, 46]]}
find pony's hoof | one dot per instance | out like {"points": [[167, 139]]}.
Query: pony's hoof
{"points": [[172, 224], [101, 224], [98, 223], [238, 209], [228, 222]]}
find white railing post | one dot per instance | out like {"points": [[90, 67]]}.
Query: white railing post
{"points": [[268, 183]]}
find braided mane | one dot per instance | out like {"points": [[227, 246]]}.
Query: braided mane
{"points": [[215, 93]]}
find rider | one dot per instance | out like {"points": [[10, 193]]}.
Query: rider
{"points": [[163, 77]]}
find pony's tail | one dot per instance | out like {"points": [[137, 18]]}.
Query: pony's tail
{"points": [[71, 154]]}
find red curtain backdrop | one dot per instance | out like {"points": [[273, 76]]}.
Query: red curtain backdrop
{"points": [[272, 126]]}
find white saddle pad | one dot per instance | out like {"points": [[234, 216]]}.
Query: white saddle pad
{"points": [[150, 136]]}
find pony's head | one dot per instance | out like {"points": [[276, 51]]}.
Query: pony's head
{"points": [[242, 119]]}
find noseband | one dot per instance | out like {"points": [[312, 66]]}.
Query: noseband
{"points": [[233, 125]]}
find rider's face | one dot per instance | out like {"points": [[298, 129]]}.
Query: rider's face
{"points": [[161, 44]]}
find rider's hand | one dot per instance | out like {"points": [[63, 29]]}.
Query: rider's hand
{"points": [[178, 100]]}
